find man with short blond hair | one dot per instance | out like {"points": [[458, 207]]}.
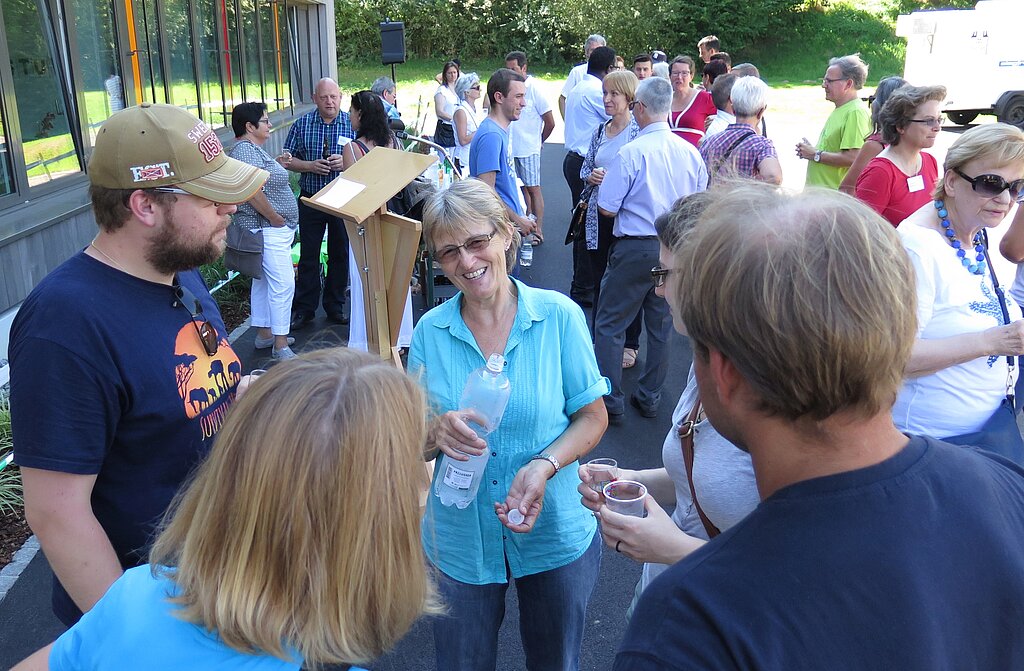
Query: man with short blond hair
{"points": [[870, 549]]}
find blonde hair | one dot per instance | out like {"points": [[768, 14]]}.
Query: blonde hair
{"points": [[450, 212], [811, 296], [622, 81], [301, 531], [996, 144]]}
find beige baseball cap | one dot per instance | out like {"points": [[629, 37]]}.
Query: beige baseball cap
{"points": [[155, 145]]}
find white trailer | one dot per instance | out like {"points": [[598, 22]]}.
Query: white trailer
{"points": [[977, 54]]}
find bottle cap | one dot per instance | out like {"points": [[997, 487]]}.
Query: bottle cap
{"points": [[515, 517], [495, 363]]}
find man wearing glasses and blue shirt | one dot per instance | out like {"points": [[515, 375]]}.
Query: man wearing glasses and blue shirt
{"points": [[121, 372]]}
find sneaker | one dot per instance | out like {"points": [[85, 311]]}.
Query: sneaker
{"points": [[266, 343], [284, 354]]}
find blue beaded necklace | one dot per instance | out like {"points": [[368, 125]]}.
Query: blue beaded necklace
{"points": [[978, 267]]}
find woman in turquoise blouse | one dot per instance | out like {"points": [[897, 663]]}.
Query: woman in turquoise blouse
{"points": [[554, 416]]}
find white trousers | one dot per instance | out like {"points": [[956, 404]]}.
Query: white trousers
{"points": [[271, 297]]}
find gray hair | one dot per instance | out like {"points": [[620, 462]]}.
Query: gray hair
{"points": [[381, 85], [660, 70], [656, 95], [745, 70], [464, 83], [749, 96], [596, 40], [853, 68]]}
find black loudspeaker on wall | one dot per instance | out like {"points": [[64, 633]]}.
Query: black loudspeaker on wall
{"points": [[392, 42]]}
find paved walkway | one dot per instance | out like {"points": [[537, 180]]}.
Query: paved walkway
{"points": [[26, 622]]}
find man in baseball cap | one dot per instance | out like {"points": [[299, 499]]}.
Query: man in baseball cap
{"points": [[121, 372]]}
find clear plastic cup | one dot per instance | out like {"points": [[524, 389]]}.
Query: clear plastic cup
{"points": [[625, 497], [602, 471]]}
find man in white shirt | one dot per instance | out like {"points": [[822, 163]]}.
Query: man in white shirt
{"points": [[535, 123], [721, 92], [584, 112], [645, 179], [579, 70]]}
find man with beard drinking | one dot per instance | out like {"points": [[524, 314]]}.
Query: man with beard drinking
{"points": [[121, 372]]}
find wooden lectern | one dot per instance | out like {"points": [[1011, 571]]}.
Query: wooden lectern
{"points": [[384, 244]]}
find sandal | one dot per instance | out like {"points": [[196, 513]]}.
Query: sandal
{"points": [[628, 357], [538, 238]]}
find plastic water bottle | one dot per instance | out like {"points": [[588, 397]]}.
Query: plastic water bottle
{"points": [[526, 251], [486, 393]]}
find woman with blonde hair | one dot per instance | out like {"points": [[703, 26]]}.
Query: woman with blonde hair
{"points": [[619, 90], [958, 384], [525, 524], [296, 544]]}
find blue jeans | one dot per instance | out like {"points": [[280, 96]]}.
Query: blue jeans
{"points": [[552, 613]]}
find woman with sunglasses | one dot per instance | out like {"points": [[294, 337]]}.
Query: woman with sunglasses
{"points": [[722, 475], [902, 177], [467, 88], [525, 524], [691, 107], [969, 330]]}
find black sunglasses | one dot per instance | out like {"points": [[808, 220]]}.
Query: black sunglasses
{"points": [[204, 329], [659, 275], [991, 186]]}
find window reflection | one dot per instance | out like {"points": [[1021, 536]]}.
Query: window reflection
{"points": [[179, 35], [6, 183], [48, 147], [212, 94], [101, 80]]}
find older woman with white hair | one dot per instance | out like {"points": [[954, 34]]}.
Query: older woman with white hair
{"points": [[739, 150], [959, 380], [467, 88]]}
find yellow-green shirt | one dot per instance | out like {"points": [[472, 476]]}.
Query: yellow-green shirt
{"points": [[846, 128]]}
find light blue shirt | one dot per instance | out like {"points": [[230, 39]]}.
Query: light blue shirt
{"points": [[553, 373], [648, 176], [134, 626]]}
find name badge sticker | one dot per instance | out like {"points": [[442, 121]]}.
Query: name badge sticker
{"points": [[342, 141], [915, 183]]}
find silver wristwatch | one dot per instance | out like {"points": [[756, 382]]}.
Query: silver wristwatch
{"points": [[550, 459]]}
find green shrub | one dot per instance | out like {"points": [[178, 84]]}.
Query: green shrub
{"points": [[10, 477]]}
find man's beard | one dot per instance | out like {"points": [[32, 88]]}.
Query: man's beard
{"points": [[168, 253]]}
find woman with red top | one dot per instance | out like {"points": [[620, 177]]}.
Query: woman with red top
{"points": [[902, 177], [872, 143], [690, 107]]}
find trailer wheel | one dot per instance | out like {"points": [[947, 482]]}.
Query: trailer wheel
{"points": [[1012, 110], [962, 118]]}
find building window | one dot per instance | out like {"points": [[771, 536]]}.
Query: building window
{"points": [[47, 145], [6, 183], [100, 83]]}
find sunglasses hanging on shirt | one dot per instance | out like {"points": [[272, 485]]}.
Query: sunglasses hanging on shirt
{"points": [[204, 329]]}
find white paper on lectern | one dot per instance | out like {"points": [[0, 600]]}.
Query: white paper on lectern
{"points": [[357, 317], [342, 190]]}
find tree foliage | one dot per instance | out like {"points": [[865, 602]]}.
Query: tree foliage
{"points": [[550, 30]]}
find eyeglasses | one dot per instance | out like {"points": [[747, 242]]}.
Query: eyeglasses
{"points": [[266, 121], [474, 88], [207, 334], [991, 186], [826, 80], [659, 275], [472, 246], [634, 103], [178, 192], [931, 121]]}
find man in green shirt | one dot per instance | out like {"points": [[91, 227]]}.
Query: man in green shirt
{"points": [[846, 128]]}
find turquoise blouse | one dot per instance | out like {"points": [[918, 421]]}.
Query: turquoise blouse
{"points": [[553, 373]]}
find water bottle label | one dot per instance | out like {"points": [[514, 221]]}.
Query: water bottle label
{"points": [[457, 478]]}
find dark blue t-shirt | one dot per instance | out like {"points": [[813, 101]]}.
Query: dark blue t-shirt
{"points": [[489, 152], [108, 378], [914, 563]]}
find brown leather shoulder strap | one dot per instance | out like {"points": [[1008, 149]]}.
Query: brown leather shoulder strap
{"points": [[685, 432]]}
